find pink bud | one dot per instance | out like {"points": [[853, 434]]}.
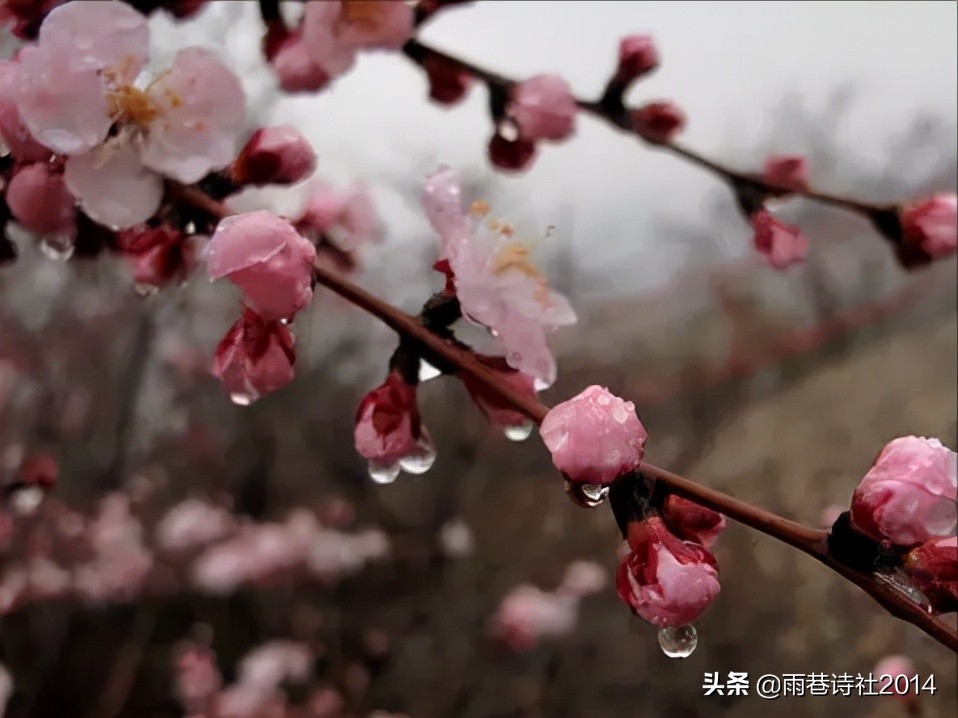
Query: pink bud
{"points": [[543, 108], [267, 259], [788, 171], [447, 83], [909, 494], [594, 437], [38, 470], [157, 255], [658, 122], [39, 199], [666, 581], [513, 155], [500, 413], [931, 225], [254, 358], [779, 244], [638, 56], [691, 522], [274, 155], [13, 132], [388, 427], [933, 566], [293, 63]]}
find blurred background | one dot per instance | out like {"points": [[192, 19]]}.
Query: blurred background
{"points": [[779, 388]]}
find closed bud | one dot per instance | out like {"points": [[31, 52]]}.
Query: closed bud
{"points": [[274, 155], [638, 56]]}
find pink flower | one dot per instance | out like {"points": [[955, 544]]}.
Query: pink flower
{"points": [[691, 522], [527, 615], [40, 201], [500, 413], [196, 678], [788, 171], [389, 431], [511, 155], [77, 83], [274, 155], [583, 578], [594, 437], [933, 566], [339, 224], [495, 280], [291, 60], [931, 226], [13, 132], [780, 244], [267, 259], [638, 56], [658, 122], [193, 524], [666, 581], [543, 108], [909, 494], [157, 255], [254, 358]]}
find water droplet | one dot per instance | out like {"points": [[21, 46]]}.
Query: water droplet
{"points": [[190, 228], [427, 371], [142, 289], [679, 641], [383, 473], [538, 384], [27, 500], [586, 495], [519, 432], [241, 398], [421, 461], [57, 246], [284, 321]]}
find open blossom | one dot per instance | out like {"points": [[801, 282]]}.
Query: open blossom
{"points": [[158, 254], [495, 280], [931, 226], [594, 437], [779, 244], [910, 493], [388, 429], [691, 522], [933, 566], [666, 581], [267, 259], [40, 201], [274, 155], [543, 108], [789, 171], [254, 358], [77, 82]]}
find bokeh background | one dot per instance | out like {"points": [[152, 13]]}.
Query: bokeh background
{"points": [[779, 388]]}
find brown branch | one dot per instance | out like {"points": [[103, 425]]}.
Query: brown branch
{"points": [[808, 540]]}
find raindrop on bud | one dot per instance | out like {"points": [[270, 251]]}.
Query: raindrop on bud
{"points": [[519, 432], [678, 641], [586, 495], [57, 246], [539, 385], [383, 473], [427, 371], [241, 398], [421, 461]]}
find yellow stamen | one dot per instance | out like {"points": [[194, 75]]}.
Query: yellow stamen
{"points": [[479, 208], [131, 104]]}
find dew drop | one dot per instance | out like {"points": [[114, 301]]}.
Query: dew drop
{"points": [[678, 641], [190, 228], [57, 246], [427, 371], [142, 289], [519, 432], [241, 398], [383, 473], [538, 384], [421, 461], [586, 495]]}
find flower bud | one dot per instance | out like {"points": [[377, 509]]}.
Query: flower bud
{"points": [[787, 171], [930, 226], [666, 581], [500, 413], [39, 200], [447, 83], [933, 566], [779, 244], [909, 495], [543, 108], [691, 522], [254, 358], [594, 437], [513, 155], [274, 155], [157, 255], [638, 56], [388, 426], [658, 122]]}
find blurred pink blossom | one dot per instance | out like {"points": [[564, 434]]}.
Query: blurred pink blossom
{"points": [[638, 56], [527, 615], [779, 244], [594, 437], [788, 171], [192, 524], [196, 678], [339, 223], [658, 122], [931, 225], [583, 578], [543, 108], [909, 494]]}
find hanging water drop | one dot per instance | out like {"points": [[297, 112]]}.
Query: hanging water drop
{"points": [[383, 473], [538, 384], [678, 641], [427, 371], [57, 246], [586, 495], [421, 461], [519, 432], [142, 289], [241, 398]]}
